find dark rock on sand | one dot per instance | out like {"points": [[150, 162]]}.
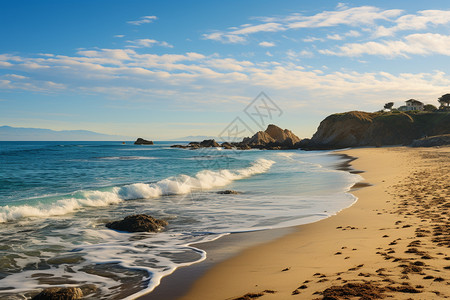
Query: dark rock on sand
{"points": [[432, 141], [228, 192], [141, 141], [138, 223], [69, 293]]}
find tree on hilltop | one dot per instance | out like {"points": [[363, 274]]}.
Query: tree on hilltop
{"points": [[429, 107], [444, 100], [389, 105]]}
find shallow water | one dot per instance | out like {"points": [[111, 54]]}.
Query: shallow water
{"points": [[55, 198]]}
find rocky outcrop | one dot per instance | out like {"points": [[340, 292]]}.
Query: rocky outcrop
{"points": [[356, 128], [272, 138], [138, 223], [283, 137], [141, 141], [432, 141], [197, 145], [69, 293], [227, 145], [260, 138], [209, 143]]}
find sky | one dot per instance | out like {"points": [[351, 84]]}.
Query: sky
{"points": [[167, 69]]}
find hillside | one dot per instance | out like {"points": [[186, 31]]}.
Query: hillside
{"points": [[357, 128]]}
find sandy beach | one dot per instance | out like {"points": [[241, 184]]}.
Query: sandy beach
{"points": [[394, 242]]}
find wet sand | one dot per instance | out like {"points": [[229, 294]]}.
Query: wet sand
{"points": [[394, 242]]}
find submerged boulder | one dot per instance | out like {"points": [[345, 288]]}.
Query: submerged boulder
{"points": [[228, 192], [141, 141], [69, 293], [138, 223]]}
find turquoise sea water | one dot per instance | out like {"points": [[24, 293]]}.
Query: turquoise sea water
{"points": [[55, 198]]}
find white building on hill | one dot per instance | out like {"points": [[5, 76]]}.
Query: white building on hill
{"points": [[411, 104]]}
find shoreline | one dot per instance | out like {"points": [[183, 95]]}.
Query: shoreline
{"points": [[230, 245], [357, 245]]}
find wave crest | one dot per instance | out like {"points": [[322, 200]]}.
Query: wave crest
{"points": [[182, 184]]}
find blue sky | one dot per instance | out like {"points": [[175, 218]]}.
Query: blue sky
{"points": [[165, 69]]}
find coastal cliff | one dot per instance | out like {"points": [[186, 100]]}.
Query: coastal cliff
{"points": [[357, 128]]}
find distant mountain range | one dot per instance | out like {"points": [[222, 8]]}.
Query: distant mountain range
{"points": [[8, 133]]}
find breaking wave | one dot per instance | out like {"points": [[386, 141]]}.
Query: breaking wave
{"points": [[182, 184]]}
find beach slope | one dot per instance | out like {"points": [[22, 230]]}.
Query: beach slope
{"points": [[393, 242]]}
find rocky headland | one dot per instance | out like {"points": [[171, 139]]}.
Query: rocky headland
{"points": [[357, 128]]}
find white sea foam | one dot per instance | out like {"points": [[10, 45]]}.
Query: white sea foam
{"points": [[182, 184]]}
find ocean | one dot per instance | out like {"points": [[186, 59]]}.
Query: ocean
{"points": [[56, 197]]}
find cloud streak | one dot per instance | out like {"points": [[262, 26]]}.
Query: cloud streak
{"points": [[354, 17], [147, 43], [143, 20], [414, 44]]}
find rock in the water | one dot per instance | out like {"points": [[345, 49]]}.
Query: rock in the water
{"points": [[227, 145], [138, 223], [282, 136], [273, 138], [228, 192], [432, 141], [209, 143], [243, 147], [141, 141], [69, 293], [260, 138]]}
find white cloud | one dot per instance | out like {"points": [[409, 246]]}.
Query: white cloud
{"points": [[15, 76], [419, 44], [341, 5], [165, 44], [266, 44], [353, 33], [335, 37], [119, 36], [143, 20], [147, 43], [356, 17], [192, 77], [312, 39], [420, 21], [224, 38]]}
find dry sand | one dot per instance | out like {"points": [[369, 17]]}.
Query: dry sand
{"points": [[394, 242]]}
